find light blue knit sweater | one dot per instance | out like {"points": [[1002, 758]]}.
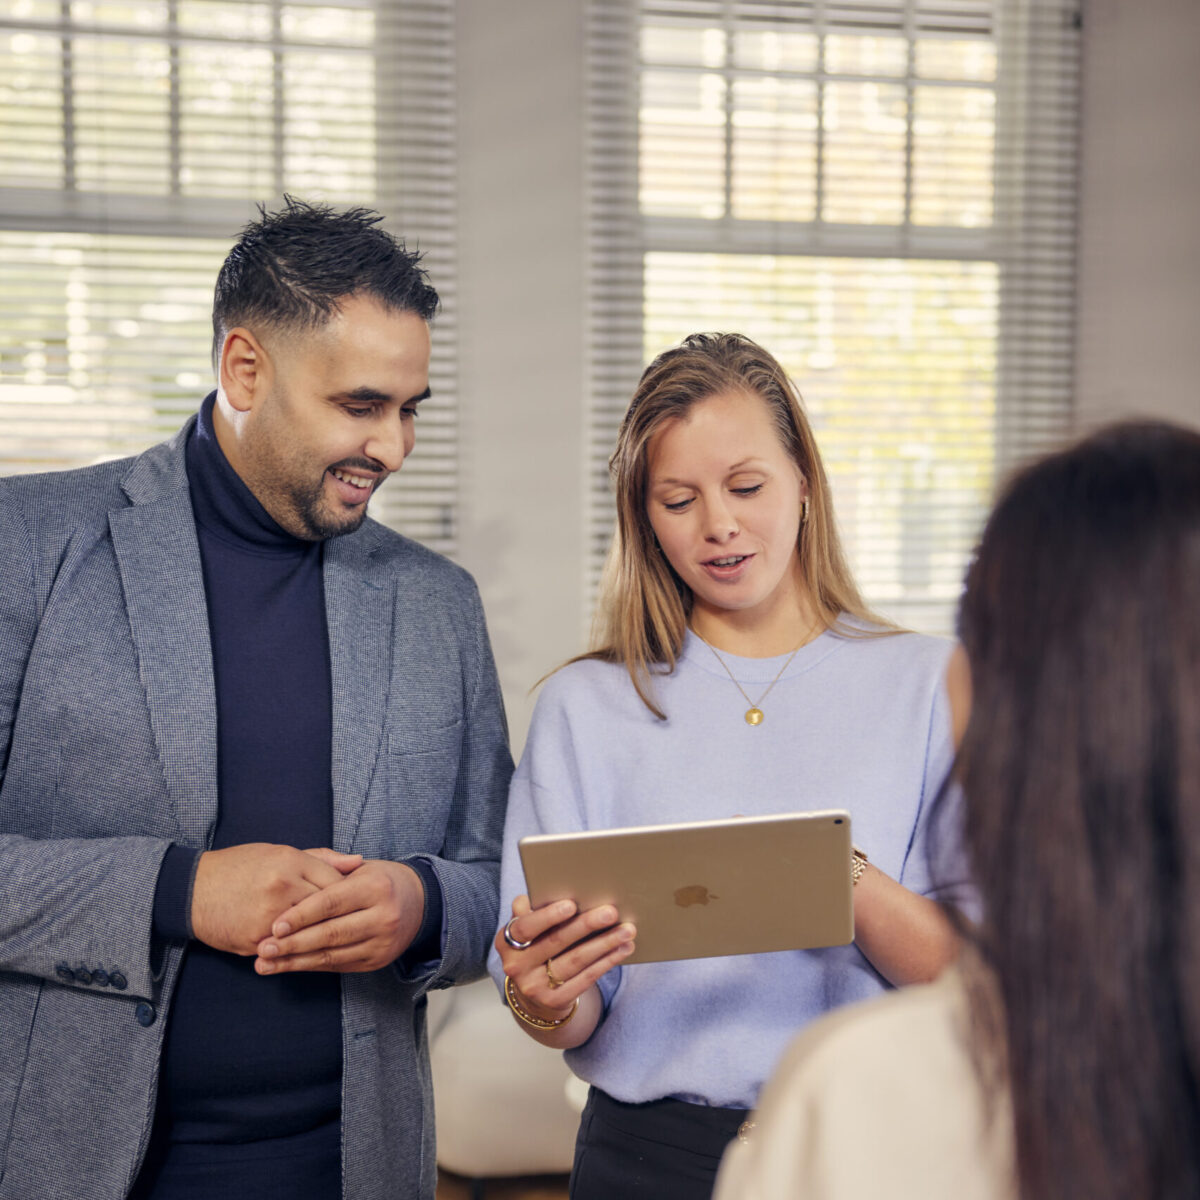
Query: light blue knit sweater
{"points": [[854, 723]]}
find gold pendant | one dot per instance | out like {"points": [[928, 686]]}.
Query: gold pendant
{"points": [[754, 716]]}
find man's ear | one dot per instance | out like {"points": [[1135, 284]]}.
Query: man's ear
{"points": [[245, 369]]}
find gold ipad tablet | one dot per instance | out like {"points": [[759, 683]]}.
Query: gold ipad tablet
{"points": [[744, 885]]}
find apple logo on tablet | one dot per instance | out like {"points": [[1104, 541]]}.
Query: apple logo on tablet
{"points": [[694, 893]]}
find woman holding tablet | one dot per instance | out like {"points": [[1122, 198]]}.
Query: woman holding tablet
{"points": [[737, 671]]}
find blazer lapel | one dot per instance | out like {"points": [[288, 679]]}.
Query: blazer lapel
{"points": [[360, 597], [158, 557]]}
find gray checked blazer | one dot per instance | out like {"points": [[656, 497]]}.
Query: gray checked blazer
{"points": [[108, 755]]}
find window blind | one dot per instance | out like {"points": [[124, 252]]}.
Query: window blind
{"points": [[136, 139], [881, 192]]}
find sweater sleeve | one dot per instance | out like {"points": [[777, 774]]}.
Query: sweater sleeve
{"points": [[173, 893], [427, 945], [546, 796], [933, 862]]}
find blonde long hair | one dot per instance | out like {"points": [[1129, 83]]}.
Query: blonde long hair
{"points": [[644, 606]]}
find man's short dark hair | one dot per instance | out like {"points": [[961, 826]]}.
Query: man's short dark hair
{"points": [[290, 269]]}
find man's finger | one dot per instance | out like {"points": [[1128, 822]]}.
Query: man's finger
{"points": [[355, 957], [341, 931], [344, 863], [321, 874], [333, 901]]}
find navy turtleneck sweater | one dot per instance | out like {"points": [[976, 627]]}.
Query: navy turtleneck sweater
{"points": [[251, 1076], [250, 1083]]}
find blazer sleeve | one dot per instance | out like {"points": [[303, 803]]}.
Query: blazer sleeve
{"points": [[468, 867], [74, 910]]}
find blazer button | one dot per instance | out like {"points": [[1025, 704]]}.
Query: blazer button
{"points": [[118, 980], [64, 973], [145, 1013], [83, 975], [100, 977]]}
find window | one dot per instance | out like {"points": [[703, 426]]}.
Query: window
{"points": [[135, 140], [882, 193]]}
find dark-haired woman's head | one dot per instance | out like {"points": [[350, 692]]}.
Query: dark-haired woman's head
{"points": [[1080, 765]]}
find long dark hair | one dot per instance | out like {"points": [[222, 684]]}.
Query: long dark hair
{"points": [[1080, 768]]}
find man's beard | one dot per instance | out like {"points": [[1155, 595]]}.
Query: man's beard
{"points": [[309, 508]]}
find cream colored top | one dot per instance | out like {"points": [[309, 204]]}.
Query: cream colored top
{"points": [[877, 1100]]}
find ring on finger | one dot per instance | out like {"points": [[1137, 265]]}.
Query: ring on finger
{"points": [[553, 979], [512, 941]]}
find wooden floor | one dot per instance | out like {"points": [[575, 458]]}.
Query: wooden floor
{"points": [[533, 1187]]}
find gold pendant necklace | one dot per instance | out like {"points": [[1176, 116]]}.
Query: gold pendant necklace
{"points": [[754, 714]]}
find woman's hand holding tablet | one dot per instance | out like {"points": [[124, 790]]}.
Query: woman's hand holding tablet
{"points": [[552, 958]]}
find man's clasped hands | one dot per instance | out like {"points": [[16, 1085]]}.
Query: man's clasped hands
{"points": [[298, 910]]}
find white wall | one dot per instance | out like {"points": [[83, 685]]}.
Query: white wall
{"points": [[1138, 331], [521, 330]]}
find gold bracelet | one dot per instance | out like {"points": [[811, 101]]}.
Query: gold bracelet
{"points": [[858, 864], [510, 994]]}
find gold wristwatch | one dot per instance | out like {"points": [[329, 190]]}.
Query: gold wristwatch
{"points": [[858, 864]]}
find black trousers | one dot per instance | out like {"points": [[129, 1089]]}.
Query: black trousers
{"points": [[663, 1150]]}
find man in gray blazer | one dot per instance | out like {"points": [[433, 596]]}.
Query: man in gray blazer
{"points": [[253, 766]]}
